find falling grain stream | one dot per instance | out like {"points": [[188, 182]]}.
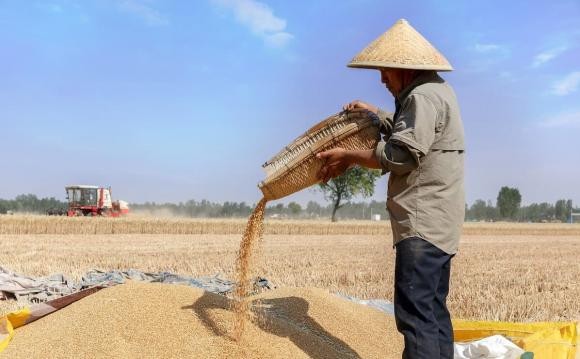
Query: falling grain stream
{"points": [[244, 264]]}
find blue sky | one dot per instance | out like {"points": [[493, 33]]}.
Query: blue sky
{"points": [[173, 100]]}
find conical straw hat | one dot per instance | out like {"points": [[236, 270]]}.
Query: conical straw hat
{"points": [[401, 47]]}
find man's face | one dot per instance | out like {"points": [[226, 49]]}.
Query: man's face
{"points": [[392, 80]]}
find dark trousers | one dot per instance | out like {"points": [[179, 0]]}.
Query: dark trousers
{"points": [[421, 287]]}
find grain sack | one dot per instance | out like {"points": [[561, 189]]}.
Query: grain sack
{"points": [[295, 167]]}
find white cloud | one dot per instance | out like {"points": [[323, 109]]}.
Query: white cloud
{"points": [[144, 10], [567, 119], [567, 85], [487, 56], [279, 39], [260, 19], [486, 48], [548, 55]]}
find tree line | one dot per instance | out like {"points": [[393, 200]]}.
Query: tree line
{"points": [[30, 203], [312, 210], [507, 207]]}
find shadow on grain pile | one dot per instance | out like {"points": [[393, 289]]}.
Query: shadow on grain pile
{"points": [[285, 317], [153, 320]]}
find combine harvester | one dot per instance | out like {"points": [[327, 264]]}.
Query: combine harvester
{"points": [[86, 200]]}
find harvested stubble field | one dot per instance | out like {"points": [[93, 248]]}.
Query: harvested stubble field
{"points": [[35, 224], [511, 272]]}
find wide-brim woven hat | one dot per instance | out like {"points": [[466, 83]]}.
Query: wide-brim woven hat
{"points": [[401, 47]]}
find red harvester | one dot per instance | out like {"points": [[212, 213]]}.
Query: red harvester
{"points": [[93, 201]]}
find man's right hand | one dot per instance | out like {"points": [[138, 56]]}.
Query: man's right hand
{"points": [[359, 105]]}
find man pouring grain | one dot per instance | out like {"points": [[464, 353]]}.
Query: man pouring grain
{"points": [[423, 150]]}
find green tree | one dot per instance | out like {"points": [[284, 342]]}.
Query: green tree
{"points": [[313, 209], [478, 210], [492, 212], [294, 208], [538, 212], [481, 211], [355, 181], [562, 209], [508, 202]]}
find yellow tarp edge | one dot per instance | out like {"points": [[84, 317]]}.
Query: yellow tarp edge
{"points": [[9, 322], [19, 317], [545, 339], [6, 333]]}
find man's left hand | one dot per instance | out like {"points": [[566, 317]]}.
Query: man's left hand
{"points": [[336, 162]]}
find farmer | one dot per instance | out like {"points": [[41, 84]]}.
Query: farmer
{"points": [[423, 151]]}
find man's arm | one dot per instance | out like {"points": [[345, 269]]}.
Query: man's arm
{"points": [[338, 160], [385, 117], [365, 158], [396, 157], [388, 156]]}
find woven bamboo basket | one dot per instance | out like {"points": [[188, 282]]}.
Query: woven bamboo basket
{"points": [[296, 166]]}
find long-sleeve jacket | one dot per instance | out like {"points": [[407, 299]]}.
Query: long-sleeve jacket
{"points": [[423, 149]]}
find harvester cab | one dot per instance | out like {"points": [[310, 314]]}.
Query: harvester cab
{"points": [[86, 200]]}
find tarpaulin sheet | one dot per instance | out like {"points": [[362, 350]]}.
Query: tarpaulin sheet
{"points": [[546, 339], [494, 347], [41, 289], [550, 340]]}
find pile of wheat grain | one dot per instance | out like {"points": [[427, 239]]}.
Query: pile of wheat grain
{"points": [[139, 320]]}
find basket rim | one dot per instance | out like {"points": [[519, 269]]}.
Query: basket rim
{"points": [[350, 130], [344, 116]]}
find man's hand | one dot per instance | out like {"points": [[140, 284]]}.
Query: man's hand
{"points": [[336, 162], [359, 105]]}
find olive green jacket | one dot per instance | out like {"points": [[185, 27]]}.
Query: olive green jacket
{"points": [[423, 149]]}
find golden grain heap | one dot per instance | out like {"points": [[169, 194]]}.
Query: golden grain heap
{"points": [[153, 320]]}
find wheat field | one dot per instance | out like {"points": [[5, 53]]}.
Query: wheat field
{"points": [[510, 272], [38, 224]]}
